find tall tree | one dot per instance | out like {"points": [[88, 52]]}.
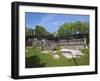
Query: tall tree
{"points": [[40, 31], [28, 31], [71, 28]]}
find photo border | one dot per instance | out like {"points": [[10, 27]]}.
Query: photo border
{"points": [[15, 39]]}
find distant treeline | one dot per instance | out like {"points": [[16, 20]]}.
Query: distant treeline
{"points": [[65, 29]]}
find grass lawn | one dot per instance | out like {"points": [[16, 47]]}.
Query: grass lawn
{"points": [[34, 58]]}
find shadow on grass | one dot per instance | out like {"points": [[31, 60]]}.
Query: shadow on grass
{"points": [[33, 62]]}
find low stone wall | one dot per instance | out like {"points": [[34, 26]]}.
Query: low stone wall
{"points": [[76, 44], [75, 47]]}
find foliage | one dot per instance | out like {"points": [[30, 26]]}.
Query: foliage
{"points": [[64, 30], [41, 31], [28, 31], [71, 28], [84, 60]]}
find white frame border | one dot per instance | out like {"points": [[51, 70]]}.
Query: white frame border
{"points": [[53, 70]]}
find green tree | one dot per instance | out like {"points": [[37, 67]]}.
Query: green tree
{"points": [[40, 31], [65, 30], [28, 31], [70, 28]]}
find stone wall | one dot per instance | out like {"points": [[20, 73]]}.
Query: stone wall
{"points": [[77, 44], [74, 47]]}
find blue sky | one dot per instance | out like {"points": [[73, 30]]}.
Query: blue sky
{"points": [[51, 22]]}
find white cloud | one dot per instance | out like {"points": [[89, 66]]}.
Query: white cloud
{"points": [[47, 18], [50, 22]]}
